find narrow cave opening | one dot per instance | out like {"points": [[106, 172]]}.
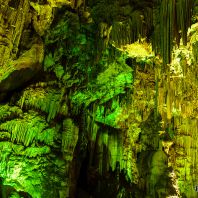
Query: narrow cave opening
{"points": [[82, 183]]}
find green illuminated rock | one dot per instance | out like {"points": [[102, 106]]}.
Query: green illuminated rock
{"points": [[98, 99]]}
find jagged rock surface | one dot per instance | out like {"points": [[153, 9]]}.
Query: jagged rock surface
{"points": [[88, 109]]}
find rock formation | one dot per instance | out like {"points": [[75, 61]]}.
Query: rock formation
{"points": [[98, 98]]}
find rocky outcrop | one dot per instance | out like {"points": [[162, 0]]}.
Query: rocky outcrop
{"points": [[15, 74], [13, 18]]}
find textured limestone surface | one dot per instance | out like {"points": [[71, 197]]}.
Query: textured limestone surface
{"points": [[98, 98]]}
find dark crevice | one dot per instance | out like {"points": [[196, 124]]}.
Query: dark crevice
{"points": [[14, 3]]}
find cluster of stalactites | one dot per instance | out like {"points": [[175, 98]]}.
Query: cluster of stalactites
{"points": [[166, 23], [174, 21]]}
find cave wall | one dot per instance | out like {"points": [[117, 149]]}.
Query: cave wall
{"points": [[98, 98]]}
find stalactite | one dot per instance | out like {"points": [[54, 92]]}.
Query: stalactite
{"points": [[171, 20], [47, 100], [24, 131]]}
